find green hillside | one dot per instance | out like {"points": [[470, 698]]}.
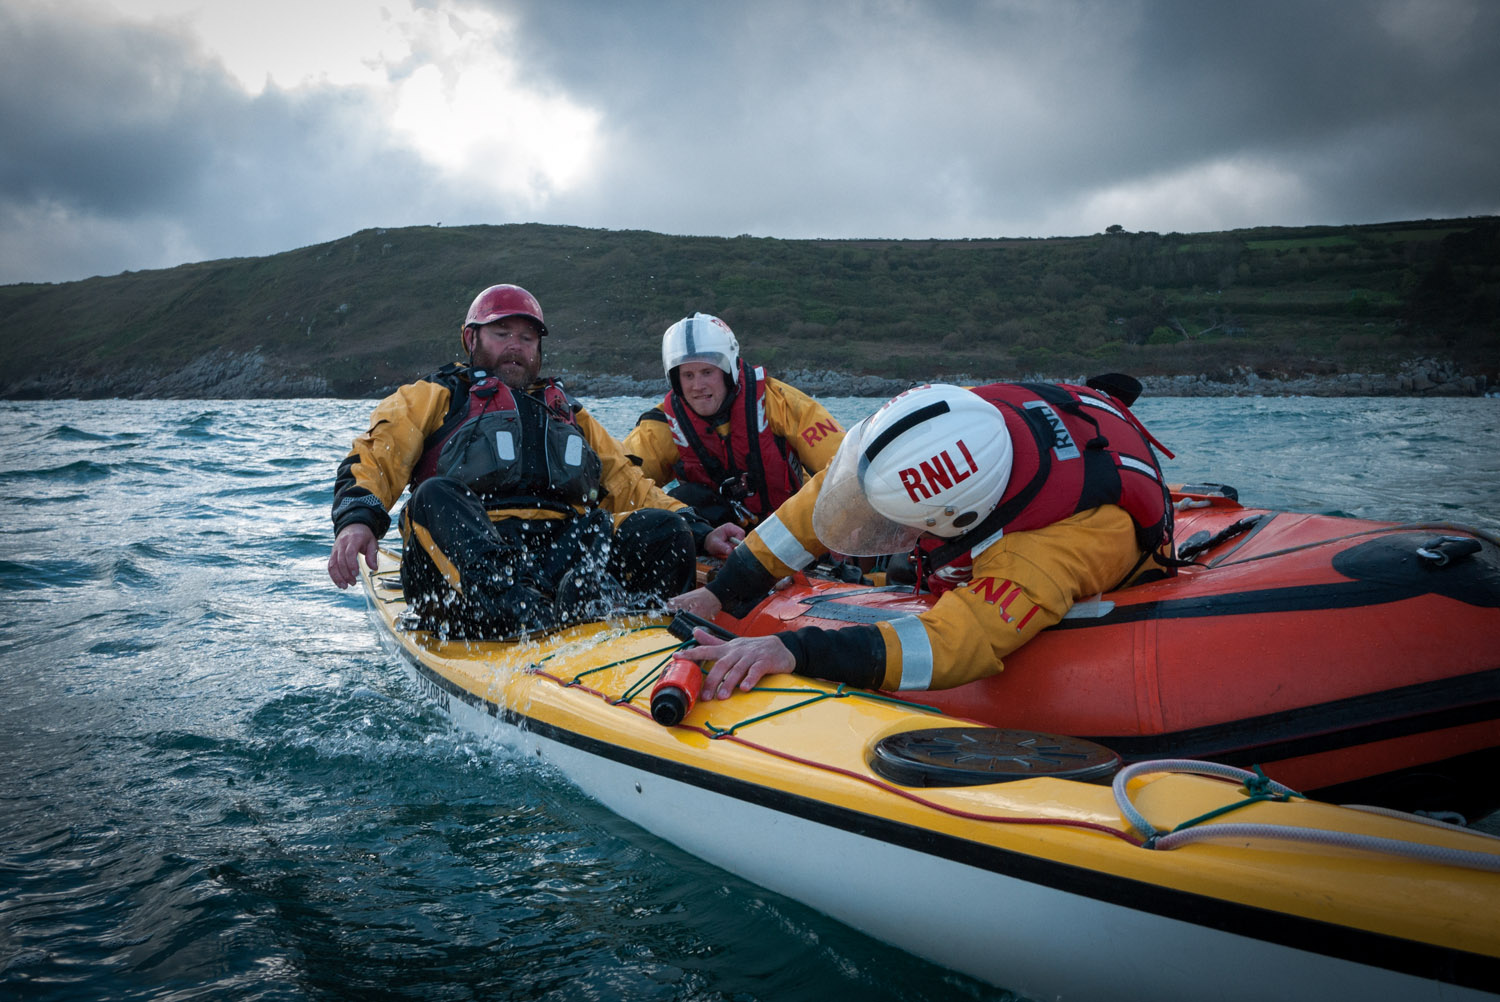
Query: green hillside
{"points": [[381, 306]]}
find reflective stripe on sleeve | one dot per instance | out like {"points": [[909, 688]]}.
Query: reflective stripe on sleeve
{"points": [[916, 652], [1088, 401], [358, 501], [782, 544], [1138, 466]]}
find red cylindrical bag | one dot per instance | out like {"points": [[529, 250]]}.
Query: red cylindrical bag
{"points": [[676, 691]]}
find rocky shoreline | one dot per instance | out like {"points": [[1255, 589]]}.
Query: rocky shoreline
{"points": [[1417, 378], [228, 375], [1427, 379], [218, 375]]}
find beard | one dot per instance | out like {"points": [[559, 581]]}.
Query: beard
{"points": [[514, 369], [518, 373]]}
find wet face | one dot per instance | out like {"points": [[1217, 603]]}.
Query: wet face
{"points": [[510, 347], [704, 387]]}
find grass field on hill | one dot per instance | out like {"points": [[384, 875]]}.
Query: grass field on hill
{"points": [[382, 306]]}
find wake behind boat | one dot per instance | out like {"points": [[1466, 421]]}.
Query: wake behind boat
{"points": [[1081, 880]]}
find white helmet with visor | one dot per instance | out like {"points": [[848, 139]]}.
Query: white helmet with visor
{"points": [[701, 338], [934, 459]]}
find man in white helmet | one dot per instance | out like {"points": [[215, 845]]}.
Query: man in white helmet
{"points": [[1019, 498], [728, 439], [524, 511]]}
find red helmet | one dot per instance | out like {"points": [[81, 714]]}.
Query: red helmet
{"points": [[500, 301]]}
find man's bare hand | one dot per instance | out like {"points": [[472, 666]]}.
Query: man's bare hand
{"points": [[343, 563], [741, 662], [722, 541], [699, 601]]}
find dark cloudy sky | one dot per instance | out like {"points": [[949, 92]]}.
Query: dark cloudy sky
{"points": [[140, 134]]}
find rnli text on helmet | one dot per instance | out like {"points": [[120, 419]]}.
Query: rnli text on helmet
{"points": [[940, 473]]}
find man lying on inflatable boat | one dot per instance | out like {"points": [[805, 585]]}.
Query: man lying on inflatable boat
{"points": [[1019, 498]]}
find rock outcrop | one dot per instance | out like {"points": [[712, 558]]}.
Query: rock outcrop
{"points": [[220, 374]]}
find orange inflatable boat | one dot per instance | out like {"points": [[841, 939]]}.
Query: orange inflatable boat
{"points": [[1327, 650]]}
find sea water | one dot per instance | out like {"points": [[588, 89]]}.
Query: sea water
{"points": [[214, 783]]}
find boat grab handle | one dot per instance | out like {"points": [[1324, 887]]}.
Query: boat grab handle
{"points": [[684, 622], [1446, 549]]}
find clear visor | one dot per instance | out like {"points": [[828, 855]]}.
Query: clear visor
{"points": [[843, 520], [717, 359]]}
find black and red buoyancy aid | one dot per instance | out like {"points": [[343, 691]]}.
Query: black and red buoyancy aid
{"points": [[1075, 448], [758, 472], [512, 449]]}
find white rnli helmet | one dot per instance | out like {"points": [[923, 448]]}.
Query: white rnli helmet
{"points": [[700, 338], [934, 459]]}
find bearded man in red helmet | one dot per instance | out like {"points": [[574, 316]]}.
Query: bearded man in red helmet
{"points": [[1019, 499], [524, 511]]}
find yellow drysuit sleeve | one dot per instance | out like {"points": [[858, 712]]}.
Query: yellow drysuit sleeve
{"points": [[1022, 583]]}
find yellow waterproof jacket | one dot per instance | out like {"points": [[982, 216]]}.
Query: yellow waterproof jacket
{"points": [[380, 464], [808, 429], [1021, 584]]}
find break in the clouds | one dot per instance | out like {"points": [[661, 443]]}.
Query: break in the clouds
{"points": [[145, 133]]}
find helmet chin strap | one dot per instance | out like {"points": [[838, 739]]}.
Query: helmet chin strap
{"points": [[722, 414]]}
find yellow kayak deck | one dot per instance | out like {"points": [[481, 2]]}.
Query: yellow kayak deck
{"points": [[806, 746]]}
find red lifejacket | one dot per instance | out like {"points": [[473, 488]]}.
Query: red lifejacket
{"points": [[1075, 448], [759, 473], [513, 450]]}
